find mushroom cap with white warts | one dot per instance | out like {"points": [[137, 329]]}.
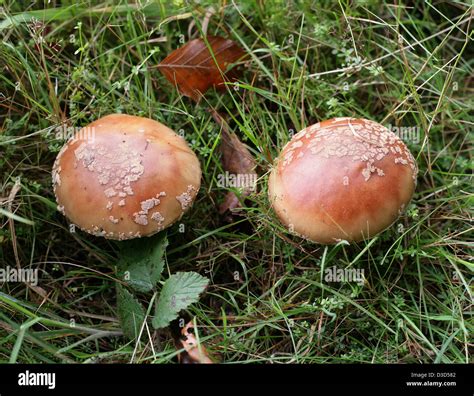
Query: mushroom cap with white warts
{"points": [[342, 179], [123, 177]]}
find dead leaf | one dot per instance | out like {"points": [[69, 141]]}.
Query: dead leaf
{"points": [[40, 296], [237, 160], [195, 352], [193, 69], [230, 202]]}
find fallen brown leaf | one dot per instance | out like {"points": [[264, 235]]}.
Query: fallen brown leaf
{"points": [[194, 69], [237, 160], [195, 352]]}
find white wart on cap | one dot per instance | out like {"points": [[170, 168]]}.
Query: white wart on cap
{"points": [[123, 177], [342, 179]]}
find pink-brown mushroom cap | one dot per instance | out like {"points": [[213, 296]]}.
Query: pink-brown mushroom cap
{"points": [[124, 177], [342, 179]]}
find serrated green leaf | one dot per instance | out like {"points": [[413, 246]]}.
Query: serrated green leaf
{"points": [[141, 261], [130, 312], [179, 291]]}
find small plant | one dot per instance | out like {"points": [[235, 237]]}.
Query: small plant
{"points": [[140, 269]]}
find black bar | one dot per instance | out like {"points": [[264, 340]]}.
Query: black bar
{"points": [[354, 377]]}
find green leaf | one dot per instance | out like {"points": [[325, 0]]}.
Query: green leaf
{"points": [[141, 261], [130, 312], [179, 291]]}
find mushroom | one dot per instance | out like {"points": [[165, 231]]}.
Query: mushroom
{"points": [[123, 177], [342, 179]]}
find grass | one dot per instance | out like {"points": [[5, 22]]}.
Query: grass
{"points": [[407, 66]]}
